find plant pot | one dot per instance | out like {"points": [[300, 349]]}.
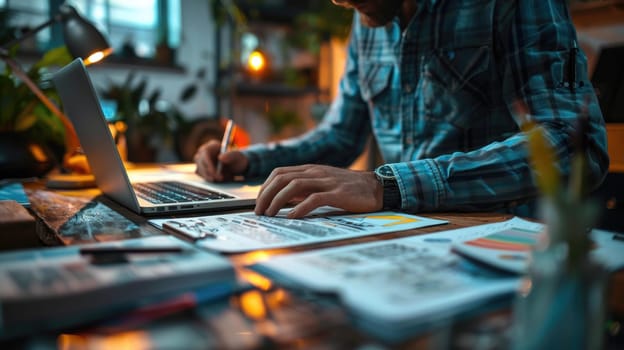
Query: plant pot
{"points": [[561, 302], [21, 157]]}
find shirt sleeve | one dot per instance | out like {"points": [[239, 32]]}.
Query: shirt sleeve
{"points": [[337, 140], [533, 44]]}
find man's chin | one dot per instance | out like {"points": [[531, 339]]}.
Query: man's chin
{"points": [[373, 22]]}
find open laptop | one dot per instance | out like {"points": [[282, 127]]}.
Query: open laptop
{"points": [[164, 192]]}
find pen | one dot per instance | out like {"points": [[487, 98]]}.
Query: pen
{"points": [[618, 236], [99, 251], [572, 66], [226, 141]]}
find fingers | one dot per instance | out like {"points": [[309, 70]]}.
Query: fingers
{"points": [[205, 160], [305, 182], [311, 202], [208, 156], [282, 185], [317, 185], [281, 172], [310, 189]]}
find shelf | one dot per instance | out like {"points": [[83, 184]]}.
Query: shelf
{"points": [[274, 89], [615, 146], [279, 11], [591, 5], [112, 62]]}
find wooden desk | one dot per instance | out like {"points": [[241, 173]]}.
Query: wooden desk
{"points": [[266, 316]]}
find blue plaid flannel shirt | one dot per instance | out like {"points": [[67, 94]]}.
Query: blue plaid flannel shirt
{"points": [[438, 97]]}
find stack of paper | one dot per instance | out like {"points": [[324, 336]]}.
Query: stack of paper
{"points": [[509, 249], [397, 287], [59, 287]]}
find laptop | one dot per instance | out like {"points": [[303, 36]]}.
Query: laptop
{"points": [[162, 192]]}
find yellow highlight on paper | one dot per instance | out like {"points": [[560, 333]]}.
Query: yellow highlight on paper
{"points": [[395, 219]]}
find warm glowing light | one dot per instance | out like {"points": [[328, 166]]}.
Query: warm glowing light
{"points": [[97, 56], [70, 341], [254, 257], [255, 279], [252, 304], [277, 298], [123, 340], [121, 126], [256, 61], [37, 152]]}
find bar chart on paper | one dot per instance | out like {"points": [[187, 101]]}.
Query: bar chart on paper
{"points": [[513, 239], [508, 248]]}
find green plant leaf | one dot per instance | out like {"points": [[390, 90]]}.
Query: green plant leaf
{"points": [[55, 57], [188, 93], [8, 102], [25, 120], [129, 80], [153, 98], [138, 91]]}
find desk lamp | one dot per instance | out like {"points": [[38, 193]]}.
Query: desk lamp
{"points": [[82, 40]]}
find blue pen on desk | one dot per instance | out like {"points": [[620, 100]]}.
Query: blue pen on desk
{"points": [[618, 236], [226, 141], [101, 251], [118, 255]]}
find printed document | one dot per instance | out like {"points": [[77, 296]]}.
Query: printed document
{"points": [[246, 231], [400, 285]]}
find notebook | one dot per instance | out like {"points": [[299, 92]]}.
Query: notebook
{"points": [[60, 287], [162, 194]]}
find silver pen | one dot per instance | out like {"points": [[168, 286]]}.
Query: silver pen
{"points": [[226, 141]]}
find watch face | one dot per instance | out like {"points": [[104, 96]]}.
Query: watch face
{"points": [[385, 171]]}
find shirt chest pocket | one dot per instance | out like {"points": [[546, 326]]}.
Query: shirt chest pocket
{"points": [[376, 90], [455, 84]]}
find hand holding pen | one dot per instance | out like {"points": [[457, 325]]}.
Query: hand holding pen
{"points": [[216, 162], [226, 141]]}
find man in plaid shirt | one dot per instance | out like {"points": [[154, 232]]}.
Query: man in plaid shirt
{"points": [[435, 82]]}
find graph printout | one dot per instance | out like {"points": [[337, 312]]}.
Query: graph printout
{"points": [[396, 286], [246, 231], [510, 248], [513, 239]]}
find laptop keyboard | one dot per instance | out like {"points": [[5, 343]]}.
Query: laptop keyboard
{"points": [[174, 192]]}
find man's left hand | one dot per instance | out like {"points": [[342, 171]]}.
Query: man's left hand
{"points": [[313, 186]]}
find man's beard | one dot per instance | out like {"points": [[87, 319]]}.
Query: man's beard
{"points": [[381, 14]]}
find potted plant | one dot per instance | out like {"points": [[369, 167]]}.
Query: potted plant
{"points": [[151, 122], [32, 137]]}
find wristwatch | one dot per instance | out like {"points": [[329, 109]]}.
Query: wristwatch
{"points": [[391, 192]]}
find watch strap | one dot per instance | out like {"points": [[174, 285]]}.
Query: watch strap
{"points": [[391, 194]]}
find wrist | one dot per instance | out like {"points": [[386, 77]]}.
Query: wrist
{"points": [[391, 195]]}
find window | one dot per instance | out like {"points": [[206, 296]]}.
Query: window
{"points": [[134, 28], [27, 14]]}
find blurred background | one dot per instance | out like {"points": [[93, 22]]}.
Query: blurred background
{"points": [[180, 66]]}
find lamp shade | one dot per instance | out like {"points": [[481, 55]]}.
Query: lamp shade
{"points": [[82, 38]]}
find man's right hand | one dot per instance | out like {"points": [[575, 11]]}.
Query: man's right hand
{"points": [[208, 155]]}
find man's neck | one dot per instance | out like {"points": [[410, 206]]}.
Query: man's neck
{"points": [[408, 9]]}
